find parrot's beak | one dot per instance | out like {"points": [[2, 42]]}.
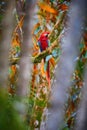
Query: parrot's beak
{"points": [[47, 34]]}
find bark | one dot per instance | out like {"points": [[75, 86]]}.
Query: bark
{"points": [[81, 122], [66, 65], [25, 62], [5, 41]]}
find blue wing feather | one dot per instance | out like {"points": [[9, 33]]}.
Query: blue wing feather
{"points": [[39, 43]]}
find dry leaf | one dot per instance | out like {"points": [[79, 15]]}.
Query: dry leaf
{"points": [[63, 7]]}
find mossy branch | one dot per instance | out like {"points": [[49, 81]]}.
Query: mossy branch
{"points": [[39, 57]]}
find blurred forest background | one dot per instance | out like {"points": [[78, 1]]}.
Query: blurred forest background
{"points": [[28, 100]]}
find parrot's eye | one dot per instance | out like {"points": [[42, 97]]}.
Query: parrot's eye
{"points": [[46, 35]]}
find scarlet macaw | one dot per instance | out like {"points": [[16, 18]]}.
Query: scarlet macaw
{"points": [[43, 43]]}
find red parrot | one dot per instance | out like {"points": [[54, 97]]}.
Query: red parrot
{"points": [[43, 43]]}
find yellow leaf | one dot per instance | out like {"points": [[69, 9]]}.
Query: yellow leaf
{"points": [[47, 7]]}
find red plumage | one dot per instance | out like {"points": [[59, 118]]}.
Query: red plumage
{"points": [[43, 41]]}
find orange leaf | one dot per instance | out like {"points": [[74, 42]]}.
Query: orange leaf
{"points": [[47, 7]]}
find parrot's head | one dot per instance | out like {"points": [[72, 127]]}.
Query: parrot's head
{"points": [[44, 35]]}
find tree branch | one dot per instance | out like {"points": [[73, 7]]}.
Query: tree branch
{"points": [[39, 57]]}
